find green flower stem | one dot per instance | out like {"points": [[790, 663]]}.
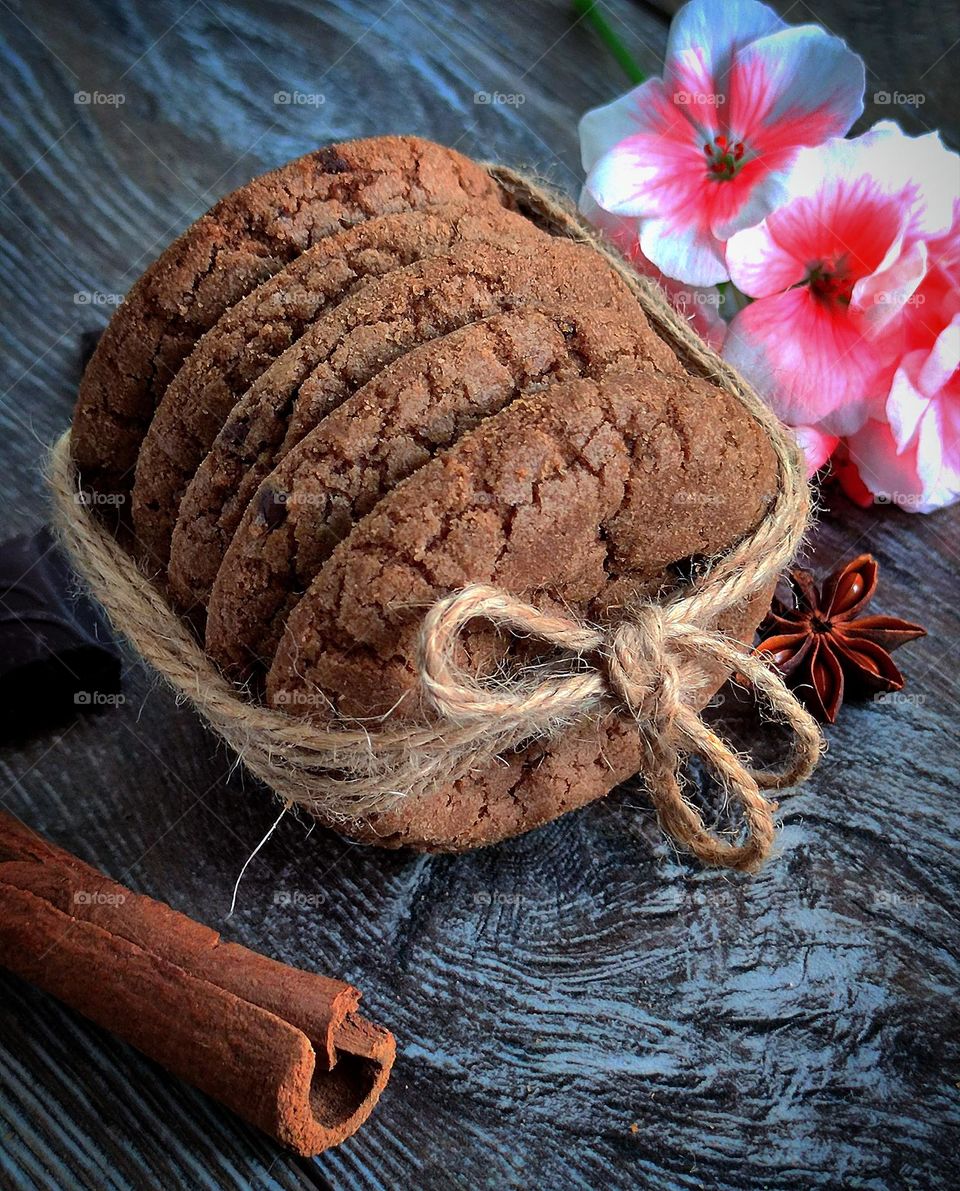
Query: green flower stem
{"points": [[589, 10]]}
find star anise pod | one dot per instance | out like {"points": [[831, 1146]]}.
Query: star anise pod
{"points": [[821, 644]]}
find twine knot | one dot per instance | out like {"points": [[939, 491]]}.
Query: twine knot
{"points": [[642, 672], [639, 666]]}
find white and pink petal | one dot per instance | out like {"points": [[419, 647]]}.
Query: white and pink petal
{"points": [[817, 446], [743, 201], [760, 265], [705, 35], [813, 366], [923, 377], [655, 167], [938, 453], [603, 128], [898, 477], [685, 250], [797, 86], [882, 295]]}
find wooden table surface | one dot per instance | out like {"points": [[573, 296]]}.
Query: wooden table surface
{"points": [[582, 1007]]}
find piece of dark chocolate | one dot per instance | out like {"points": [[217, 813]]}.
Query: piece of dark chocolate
{"points": [[57, 653]]}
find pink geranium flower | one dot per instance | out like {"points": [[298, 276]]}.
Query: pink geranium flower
{"points": [[701, 154], [910, 456], [834, 270]]}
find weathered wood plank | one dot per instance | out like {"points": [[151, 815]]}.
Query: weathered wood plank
{"points": [[550, 994]]}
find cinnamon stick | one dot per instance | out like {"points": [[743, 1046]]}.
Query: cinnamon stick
{"points": [[283, 1048]]}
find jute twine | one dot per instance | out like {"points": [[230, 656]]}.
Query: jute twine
{"points": [[641, 666]]}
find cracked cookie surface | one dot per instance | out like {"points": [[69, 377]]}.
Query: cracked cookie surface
{"points": [[253, 333], [574, 495], [240, 242], [417, 406], [580, 496], [343, 351]]}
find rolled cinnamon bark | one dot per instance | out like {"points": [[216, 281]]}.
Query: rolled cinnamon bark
{"points": [[284, 1049]]}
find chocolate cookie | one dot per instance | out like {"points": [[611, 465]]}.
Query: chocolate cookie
{"points": [[408, 413], [579, 497], [251, 334], [570, 496], [239, 243], [344, 350]]}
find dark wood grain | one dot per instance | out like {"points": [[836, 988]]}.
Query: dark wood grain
{"points": [[578, 1008]]}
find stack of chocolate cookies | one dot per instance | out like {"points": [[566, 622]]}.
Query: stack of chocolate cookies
{"points": [[364, 381]]}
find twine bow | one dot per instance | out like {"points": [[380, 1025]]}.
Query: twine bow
{"points": [[640, 665]]}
